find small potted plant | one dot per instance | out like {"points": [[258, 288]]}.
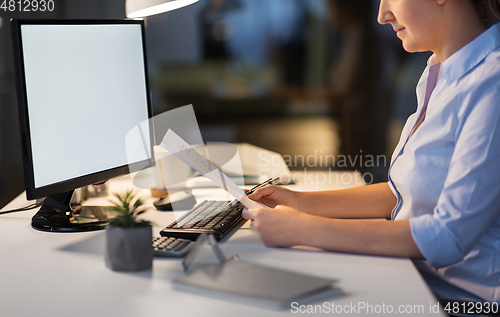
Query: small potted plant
{"points": [[128, 239]]}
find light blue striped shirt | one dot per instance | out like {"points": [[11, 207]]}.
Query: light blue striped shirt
{"points": [[446, 175]]}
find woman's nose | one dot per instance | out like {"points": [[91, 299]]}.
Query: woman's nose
{"points": [[384, 14]]}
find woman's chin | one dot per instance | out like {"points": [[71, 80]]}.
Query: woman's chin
{"points": [[411, 47]]}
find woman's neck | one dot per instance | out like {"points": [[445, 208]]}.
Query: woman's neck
{"points": [[458, 32]]}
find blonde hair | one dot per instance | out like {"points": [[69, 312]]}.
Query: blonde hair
{"points": [[489, 10]]}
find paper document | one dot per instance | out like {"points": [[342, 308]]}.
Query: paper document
{"points": [[180, 148]]}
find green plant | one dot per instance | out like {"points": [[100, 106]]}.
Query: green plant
{"points": [[128, 208]]}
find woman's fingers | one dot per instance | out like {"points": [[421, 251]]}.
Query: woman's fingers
{"points": [[270, 226], [261, 192], [249, 213]]}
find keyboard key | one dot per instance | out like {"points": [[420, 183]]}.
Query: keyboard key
{"points": [[216, 217], [171, 247]]}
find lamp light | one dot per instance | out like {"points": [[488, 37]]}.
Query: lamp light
{"points": [[143, 8]]}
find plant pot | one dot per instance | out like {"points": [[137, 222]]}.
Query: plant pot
{"points": [[129, 249]]}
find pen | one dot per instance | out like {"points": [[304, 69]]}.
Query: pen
{"points": [[270, 181]]}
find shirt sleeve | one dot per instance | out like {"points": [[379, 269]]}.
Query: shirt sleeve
{"points": [[470, 199]]}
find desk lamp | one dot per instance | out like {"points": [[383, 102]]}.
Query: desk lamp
{"points": [[143, 8]]}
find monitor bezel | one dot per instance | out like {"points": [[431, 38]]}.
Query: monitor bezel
{"points": [[33, 192]]}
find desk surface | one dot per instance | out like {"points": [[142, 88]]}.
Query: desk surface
{"points": [[53, 274]]}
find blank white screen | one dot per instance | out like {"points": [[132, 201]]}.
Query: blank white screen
{"points": [[86, 89]]}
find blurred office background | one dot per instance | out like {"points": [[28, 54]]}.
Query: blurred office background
{"points": [[305, 78]]}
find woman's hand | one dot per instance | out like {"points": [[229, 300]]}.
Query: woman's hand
{"points": [[272, 196], [281, 226], [284, 226]]}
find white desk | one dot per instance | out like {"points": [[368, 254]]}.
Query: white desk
{"points": [[63, 274]]}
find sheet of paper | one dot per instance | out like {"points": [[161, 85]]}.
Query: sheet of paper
{"points": [[180, 148]]}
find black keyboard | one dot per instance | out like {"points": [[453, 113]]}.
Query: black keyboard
{"points": [[215, 217], [171, 247]]}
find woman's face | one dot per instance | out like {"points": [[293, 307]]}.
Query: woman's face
{"points": [[414, 22]]}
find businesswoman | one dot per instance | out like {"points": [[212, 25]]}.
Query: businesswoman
{"points": [[443, 193]]}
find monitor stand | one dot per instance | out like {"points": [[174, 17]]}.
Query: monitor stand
{"points": [[57, 215]]}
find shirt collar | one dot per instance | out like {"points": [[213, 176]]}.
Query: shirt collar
{"points": [[433, 60], [470, 55]]}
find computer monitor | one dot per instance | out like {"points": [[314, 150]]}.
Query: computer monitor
{"points": [[82, 87]]}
